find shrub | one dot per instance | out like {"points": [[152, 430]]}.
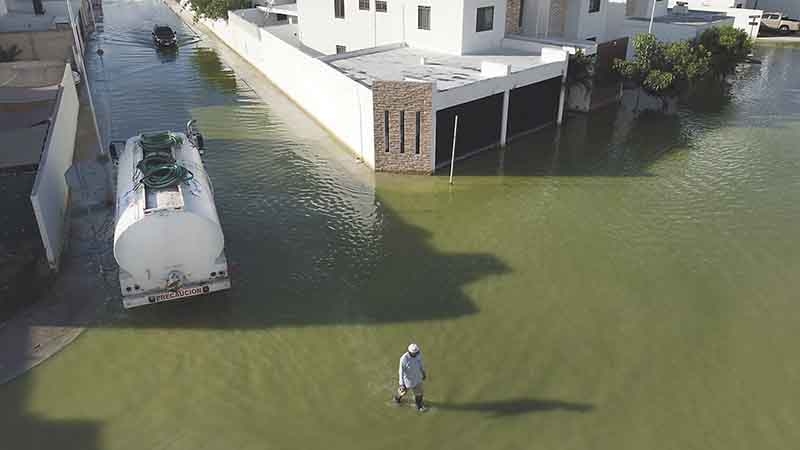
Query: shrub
{"points": [[727, 46], [10, 54]]}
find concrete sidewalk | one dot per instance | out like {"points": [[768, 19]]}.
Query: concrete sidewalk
{"points": [[86, 280]]}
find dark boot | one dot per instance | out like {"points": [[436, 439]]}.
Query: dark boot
{"points": [[418, 401]]}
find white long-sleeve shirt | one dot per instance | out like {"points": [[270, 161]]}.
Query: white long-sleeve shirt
{"points": [[411, 369]]}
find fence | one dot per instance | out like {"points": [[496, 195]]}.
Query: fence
{"points": [[50, 193]]}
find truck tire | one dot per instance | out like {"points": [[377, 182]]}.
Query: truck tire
{"points": [[784, 29]]}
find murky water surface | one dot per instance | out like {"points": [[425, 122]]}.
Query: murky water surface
{"points": [[627, 284]]}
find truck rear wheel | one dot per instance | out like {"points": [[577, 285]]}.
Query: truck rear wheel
{"points": [[784, 29]]}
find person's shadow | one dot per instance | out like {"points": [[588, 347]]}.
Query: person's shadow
{"points": [[516, 406]]}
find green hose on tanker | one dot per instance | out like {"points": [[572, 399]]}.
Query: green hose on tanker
{"points": [[159, 168]]}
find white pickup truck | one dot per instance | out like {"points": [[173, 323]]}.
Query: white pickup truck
{"points": [[776, 21]]}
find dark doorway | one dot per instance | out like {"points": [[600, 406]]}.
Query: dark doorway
{"points": [[479, 123], [532, 106]]}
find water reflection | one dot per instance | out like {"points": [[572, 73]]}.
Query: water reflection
{"points": [[212, 71]]}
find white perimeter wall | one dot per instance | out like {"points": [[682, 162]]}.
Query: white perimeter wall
{"points": [[50, 191], [341, 105]]}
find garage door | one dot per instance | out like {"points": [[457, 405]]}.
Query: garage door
{"points": [[479, 123], [533, 106]]}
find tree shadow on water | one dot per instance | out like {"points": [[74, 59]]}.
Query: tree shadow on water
{"points": [[513, 407]]}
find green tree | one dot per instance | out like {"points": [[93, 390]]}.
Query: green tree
{"points": [[217, 9], [727, 46], [664, 70]]}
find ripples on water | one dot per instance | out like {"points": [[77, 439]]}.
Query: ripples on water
{"points": [[640, 268]]}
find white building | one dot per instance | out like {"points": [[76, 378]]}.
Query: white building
{"points": [[745, 17], [389, 77]]}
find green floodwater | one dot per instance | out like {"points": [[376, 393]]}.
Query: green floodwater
{"points": [[625, 284]]}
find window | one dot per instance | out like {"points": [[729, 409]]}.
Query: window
{"points": [[402, 131], [338, 9], [485, 19], [386, 131], [340, 49], [280, 17], [424, 17], [363, 5], [416, 139], [594, 6], [380, 5]]}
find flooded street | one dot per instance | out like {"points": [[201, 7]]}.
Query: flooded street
{"points": [[623, 284]]}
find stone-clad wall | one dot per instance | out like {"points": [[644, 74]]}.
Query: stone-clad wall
{"points": [[396, 98], [512, 15]]}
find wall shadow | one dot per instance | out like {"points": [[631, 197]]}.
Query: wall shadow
{"points": [[29, 432], [512, 407]]}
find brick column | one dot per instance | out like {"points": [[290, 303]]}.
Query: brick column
{"points": [[406, 98], [512, 15]]}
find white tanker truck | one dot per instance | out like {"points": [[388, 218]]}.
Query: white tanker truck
{"points": [[168, 241]]}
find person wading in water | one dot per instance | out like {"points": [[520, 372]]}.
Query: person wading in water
{"points": [[412, 373]]}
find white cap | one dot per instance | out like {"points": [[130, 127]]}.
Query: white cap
{"points": [[413, 348]]}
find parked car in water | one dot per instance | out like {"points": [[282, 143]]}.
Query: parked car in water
{"points": [[776, 21], [164, 36]]}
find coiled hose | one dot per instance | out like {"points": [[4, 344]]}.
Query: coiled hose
{"points": [[158, 168]]}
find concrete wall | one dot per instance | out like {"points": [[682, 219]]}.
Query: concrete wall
{"points": [[474, 41], [643, 8], [341, 105], [31, 73], [446, 30], [592, 24], [407, 98], [41, 45], [50, 193], [320, 30]]}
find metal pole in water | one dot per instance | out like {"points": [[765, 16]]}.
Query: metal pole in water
{"points": [[453, 156]]}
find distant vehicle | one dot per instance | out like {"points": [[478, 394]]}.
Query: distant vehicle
{"points": [[164, 36], [776, 21]]}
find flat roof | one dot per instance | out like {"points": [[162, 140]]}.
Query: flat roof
{"points": [[24, 123], [20, 16], [22, 146], [691, 18], [447, 71]]}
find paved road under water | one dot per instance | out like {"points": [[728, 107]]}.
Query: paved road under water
{"points": [[631, 284]]}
